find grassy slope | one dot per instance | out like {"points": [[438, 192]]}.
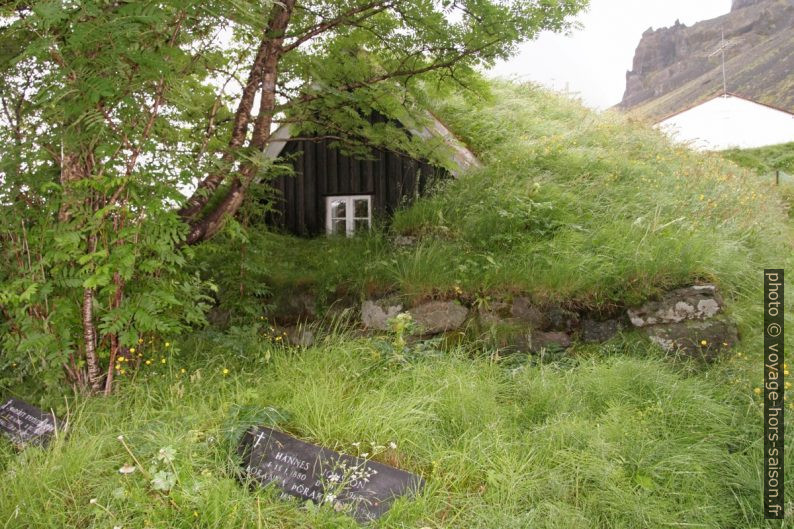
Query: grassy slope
{"points": [[764, 160], [588, 209], [615, 439], [611, 436]]}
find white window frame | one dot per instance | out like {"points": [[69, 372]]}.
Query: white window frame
{"points": [[350, 218]]}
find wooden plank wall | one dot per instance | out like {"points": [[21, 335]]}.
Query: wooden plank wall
{"points": [[320, 171]]}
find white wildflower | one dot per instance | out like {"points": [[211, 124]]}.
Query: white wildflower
{"points": [[127, 469]]}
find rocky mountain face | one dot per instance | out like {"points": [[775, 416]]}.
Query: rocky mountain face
{"points": [[677, 67]]}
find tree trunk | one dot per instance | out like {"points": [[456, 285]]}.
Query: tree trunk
{"points": [[263, 76], [89, 339]]}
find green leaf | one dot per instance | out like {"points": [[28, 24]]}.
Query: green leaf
{"points": [[163, 481]]}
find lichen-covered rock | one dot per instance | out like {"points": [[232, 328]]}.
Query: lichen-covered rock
{"points": [[436, 317], [560, 319], [494, 314], [375, 314], [523, 311], [703, 339], [549, 340], [599, 331], [697, 302]]}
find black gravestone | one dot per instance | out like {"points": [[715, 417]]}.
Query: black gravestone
{"points": [[25, 424], [362, 488]]}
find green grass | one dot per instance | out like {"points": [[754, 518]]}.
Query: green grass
{"points": [[573, 207], [616, 437], [765, 160]]}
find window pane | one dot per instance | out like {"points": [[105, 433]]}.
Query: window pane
{"points": [[338, 209], [361, 208], [361, 224], [338, 226]]}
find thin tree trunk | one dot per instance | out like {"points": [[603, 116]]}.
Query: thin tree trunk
{"points": [[242, 117], [89, 333], [265, 76]]}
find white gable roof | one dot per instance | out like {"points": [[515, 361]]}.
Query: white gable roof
{"points": [[729, 121]]}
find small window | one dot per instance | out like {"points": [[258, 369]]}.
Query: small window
{"points": [[348, 215]]}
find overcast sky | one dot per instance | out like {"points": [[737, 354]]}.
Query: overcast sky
{"points": [[593, 61]]}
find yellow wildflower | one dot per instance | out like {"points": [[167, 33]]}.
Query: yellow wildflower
{"points": [[225, 371], [148, 362], [757, 391], [162, 360], [703, 342], [132, 349], [168, 344]]}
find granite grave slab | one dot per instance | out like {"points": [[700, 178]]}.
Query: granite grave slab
{"points": [[25, 424], [364, 489]]}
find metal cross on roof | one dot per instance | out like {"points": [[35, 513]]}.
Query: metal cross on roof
{"points": [[724, 45]]}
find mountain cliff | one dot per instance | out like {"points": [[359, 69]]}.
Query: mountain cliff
{"points": [[677, 67]]}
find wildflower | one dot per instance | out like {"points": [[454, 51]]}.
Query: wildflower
{"points": [[127, 469], [757, 391], [162, 360], [392, 445], [168, 344], [122, 371], [92, 501], [148, 362], [120, 437], [132, 349], [785, 372], [140, 341], [182, 370], [278, 338], [788, 385], [225, 371], [703, 342], [195, 514]]}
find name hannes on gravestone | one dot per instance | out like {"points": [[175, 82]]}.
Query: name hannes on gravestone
{"points": [[25, 424], [362, 488]]}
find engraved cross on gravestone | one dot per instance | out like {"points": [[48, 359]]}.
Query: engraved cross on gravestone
{"points": [[365, 489]]}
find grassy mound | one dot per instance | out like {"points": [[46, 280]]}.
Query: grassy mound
{"points": [[571, 206]]}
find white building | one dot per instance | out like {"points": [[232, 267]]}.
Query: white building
{"points": [[728, 121]]}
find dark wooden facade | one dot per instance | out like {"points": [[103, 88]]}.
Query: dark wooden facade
{"points": [[321, 170]]}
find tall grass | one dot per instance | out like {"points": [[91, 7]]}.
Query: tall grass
{"points": [[570, 207], [617, 441]]}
